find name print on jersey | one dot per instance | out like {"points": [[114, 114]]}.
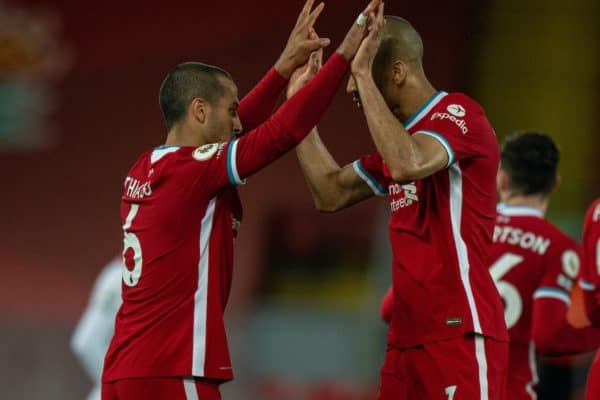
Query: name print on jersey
{"points": [[454, 114], [136, 189], [409, 192], [525, 240]]}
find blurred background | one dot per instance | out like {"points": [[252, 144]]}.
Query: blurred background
{"points": [[78, 103]]}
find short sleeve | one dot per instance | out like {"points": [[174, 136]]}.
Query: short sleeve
{"points": [[461, 128], [562, 270], [370, 169]]}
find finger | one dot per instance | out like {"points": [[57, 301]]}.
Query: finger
{"points": [[304, 12], [380, 14], [372, 7], [312, 34], [316, 44], [312, 18]]}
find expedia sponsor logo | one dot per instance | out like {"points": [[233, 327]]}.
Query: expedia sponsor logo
{"points": [[454, 113]]}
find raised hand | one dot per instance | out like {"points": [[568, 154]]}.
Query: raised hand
{"points": [[300, 44], [305, 73], [357, 32], [363, 61]]}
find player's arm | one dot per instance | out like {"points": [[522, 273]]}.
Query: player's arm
{"points": [[292, 121], [332, 188], [259, 103], [551, 331], [96, 326], [407, 157]]}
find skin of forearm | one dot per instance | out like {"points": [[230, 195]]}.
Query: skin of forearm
{"points": [[397, 148], [319, 169]]}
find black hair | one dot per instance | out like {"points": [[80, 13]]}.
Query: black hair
{"points": [[531, 160], [186, 82]]}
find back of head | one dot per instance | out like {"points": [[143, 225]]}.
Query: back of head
{"points": [[186, 82], [399, 41], [530, 159]]}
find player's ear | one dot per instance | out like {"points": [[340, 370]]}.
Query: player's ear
{"points": [[502, 181], [399, 72], [200, 109], [557, 181]]}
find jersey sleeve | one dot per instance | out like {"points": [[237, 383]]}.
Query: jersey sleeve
{"points": [[461, 128], [259, 103], [230, 163], [370, 168], [590, 275], [563, 264]]}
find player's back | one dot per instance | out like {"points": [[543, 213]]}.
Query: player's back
{"points": [[530, 259], [171, 219]]}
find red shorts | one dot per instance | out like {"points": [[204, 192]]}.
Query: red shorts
{"points": [[169, 388], [592, 389], [467, 368]]}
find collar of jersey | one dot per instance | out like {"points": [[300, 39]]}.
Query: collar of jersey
{"points": [[424, 109], [518, 211], [164, 146]]}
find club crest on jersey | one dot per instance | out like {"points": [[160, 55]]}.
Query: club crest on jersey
{"points": [[205, 152]]}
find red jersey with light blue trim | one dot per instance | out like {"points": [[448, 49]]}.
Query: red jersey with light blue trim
{"points": [[534, 265], [180, 213], [590, 276], [441, 229]]}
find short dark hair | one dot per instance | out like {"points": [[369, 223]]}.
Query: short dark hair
{"points": [[186, 82], [531, 160]]}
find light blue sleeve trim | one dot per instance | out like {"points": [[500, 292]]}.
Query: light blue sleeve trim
{"points": [[444, 143], [552, 293], [587, 286], [232, 171], [375, 186]]}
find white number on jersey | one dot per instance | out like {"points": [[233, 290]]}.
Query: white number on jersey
{"points": [[513, 305], [450, 390], [131, 241]]}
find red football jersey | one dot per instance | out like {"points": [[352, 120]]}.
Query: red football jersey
{"points": [[590, 276], [441, 227], [530, 260], [180, 212]]}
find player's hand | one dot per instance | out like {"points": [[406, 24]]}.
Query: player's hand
{"points": [[363, 62], [305, 73], [357, 32], [300, 44]]}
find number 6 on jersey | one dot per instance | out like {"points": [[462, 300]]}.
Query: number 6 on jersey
{"points": [[131, 241]]}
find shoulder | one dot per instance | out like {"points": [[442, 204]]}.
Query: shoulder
{"points": [[592, 215]]}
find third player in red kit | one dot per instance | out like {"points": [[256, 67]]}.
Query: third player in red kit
{"points": [[590, 283]]}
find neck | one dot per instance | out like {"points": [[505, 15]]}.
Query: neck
{"points": [[415, 97], [183, 136], [537, 201]]}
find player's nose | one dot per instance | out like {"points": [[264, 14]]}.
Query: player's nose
{"points": [[237, 126]]}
